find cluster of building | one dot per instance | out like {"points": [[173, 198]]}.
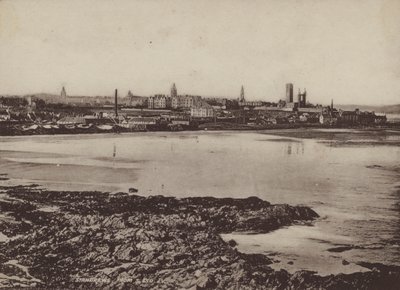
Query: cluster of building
{"points": [[194, 105], [179, 109], [197, 107]]}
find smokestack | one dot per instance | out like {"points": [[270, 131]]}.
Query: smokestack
{"points": [[116, 103]]}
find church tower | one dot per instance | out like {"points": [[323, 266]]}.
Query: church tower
{"points": [[304, 97], [289, 93], [299, 104], [63, 93], [174, 91], [63, 96], [241, 99]]}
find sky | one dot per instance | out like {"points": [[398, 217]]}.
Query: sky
{"points": [[346, 50]]}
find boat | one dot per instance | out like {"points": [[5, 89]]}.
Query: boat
{"points": [[104, 127], [69, 126], [82, 126], [33, 127], [124, 125]]}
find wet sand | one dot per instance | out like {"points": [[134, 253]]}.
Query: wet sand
{"points": [[341, 137]]}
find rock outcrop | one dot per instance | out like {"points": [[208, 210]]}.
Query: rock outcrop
{"points": [[98, 240]]}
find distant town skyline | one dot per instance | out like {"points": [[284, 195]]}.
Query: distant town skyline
{"points": [[341, 50]]}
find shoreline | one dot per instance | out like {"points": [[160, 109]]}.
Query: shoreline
{"points": [[97, 239], [330, 136], [9, 129]]}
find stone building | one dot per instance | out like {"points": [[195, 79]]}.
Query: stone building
{"points": [[135, 101], [186, 101], [302, 99], [203, 110], [159, 102]]}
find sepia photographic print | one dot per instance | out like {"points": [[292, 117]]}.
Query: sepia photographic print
{"points": [[229, 144]]}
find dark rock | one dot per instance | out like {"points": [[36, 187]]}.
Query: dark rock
{"points": [[232, 243], [258, 259], [340, 249], [154, 242], [206, 282], [374, 166]]}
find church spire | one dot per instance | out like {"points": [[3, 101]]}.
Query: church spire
{"points": [[242, 95], [63, 93]]}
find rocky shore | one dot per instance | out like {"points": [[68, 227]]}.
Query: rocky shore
{"points": [[91, 240]]}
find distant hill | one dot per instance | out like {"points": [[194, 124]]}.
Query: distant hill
{"points": [[42, 95], [389, 109]]}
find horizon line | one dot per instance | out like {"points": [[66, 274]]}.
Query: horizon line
{"points": [[203, 96]]}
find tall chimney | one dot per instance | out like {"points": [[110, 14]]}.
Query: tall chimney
{"points": [[116, 103]]}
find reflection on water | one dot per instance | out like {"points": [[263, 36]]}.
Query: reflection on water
{"points": [[114, 154], [294, 148], [352, 188]]}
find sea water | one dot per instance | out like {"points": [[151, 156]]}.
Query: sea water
{"points": [[353, 188]]}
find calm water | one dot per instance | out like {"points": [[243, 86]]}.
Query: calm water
{"points": [[393, 117], [357, 200]]}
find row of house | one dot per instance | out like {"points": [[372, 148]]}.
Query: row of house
{"points": [[159, 102], [185, 101], [355, 117], [175, 102]]}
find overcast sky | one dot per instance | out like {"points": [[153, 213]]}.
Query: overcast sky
{"points": [[346, 50]]}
